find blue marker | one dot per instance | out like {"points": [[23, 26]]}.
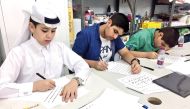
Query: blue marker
{"points": [[145, 106]]}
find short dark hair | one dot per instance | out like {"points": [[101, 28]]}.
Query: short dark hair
{"points": [[120, 20], [170, 36], [34, 22]]}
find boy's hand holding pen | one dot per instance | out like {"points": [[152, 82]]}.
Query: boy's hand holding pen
{"points": [[43, 85], [101, 65]]}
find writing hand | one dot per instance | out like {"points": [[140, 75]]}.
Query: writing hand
{"points": [[43, 85]]}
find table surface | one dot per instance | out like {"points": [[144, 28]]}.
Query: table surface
{"points": [[99, 80]]}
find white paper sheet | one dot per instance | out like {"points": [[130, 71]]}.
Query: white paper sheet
{"points": [[141, 83], [119, 67], [51, 98], [111, 99], [181, 67], [171, 59], [180, 51]]}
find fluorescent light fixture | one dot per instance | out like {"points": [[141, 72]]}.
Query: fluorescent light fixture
{"points": [[181, 1]]}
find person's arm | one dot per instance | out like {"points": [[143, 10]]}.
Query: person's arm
{"points": [[140, 54], [9, 72], [77, 64], [128, 57], [98, 65], [43, 85]]}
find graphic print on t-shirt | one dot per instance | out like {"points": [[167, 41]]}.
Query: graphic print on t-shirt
{"points": [[106, 51]]}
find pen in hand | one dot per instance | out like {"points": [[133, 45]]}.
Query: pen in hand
{"points": [[44, 78], [103, 63], [100, 58], [40, 76]]}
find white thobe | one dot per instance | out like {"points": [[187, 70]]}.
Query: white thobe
{"points": [[18, 72]]}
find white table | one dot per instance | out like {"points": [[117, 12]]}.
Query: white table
{"points": [[95, 85], [169, 99], [100, 80], [180, 50]]}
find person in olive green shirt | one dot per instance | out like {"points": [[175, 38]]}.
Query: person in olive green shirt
{"points": [[145, 43]]}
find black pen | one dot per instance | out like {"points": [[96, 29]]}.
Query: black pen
{"points": [[186, 55], [100, 58], [40, 76], [147, 67], [167, 53], [187, 60]]}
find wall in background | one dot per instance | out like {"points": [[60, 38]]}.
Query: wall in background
{"points": [[12, 26]]}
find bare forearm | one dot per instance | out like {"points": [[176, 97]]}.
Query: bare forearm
{"points": [[91, 63], [149, 55], [98, 65], [139, 54], [126, 55]]}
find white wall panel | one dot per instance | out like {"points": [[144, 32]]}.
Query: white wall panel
{"points": [[12, 19]]}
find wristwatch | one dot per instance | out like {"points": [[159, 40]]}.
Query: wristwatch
{"points": [[135, 59], [79, 80]]}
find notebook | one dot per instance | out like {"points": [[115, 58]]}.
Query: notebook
{"points": [[108, 99], [175, 82]]}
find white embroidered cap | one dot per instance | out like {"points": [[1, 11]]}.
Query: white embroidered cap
{"points": [[44, 13]]}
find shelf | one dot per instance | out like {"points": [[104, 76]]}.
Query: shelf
{"points": [[181, 26], [158, 2], [163, 4]]}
